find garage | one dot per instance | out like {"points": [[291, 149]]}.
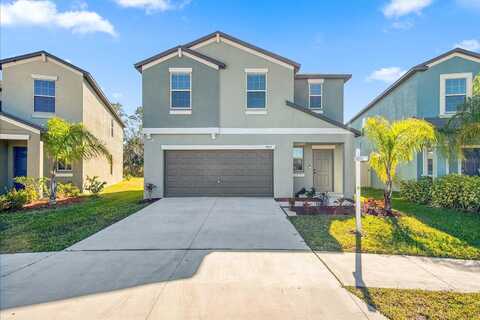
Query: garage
{"points": [[238, 173]]}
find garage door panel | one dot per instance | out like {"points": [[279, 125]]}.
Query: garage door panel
{"points": [[219, 172]]}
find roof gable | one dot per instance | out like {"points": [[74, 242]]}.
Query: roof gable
{"points": [[88, 77], [457, 52]]}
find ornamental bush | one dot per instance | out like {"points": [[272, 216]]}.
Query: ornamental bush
{"points": [[67, 190], [417, 191], [457, 192]]}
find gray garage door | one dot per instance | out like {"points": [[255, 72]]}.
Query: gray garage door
{"points": [[219, 173]]}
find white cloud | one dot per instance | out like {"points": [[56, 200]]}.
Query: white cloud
{"points": [[387, 75], [153, 5], [45, 13], [399, 8], [472, 45], [403, 25]]}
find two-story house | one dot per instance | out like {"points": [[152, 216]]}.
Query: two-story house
{"points": [[223, 117], [36, 87], [432, 91]]}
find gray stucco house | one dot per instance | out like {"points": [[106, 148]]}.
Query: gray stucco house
{"points": [[432, 91], [223, 117]]}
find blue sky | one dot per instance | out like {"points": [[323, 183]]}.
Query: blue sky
{"points": [[375, 40]]}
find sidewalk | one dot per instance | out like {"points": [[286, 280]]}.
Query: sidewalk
{"points": [[403, 272]]}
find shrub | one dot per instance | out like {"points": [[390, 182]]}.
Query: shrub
{"points": [[94, 185], [67, 190], [34, 187], [457, 192], [149, 187], [417, 191], [14, 199]]}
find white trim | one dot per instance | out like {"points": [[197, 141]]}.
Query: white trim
{"points": [[63, 65], [443, 78], [216, 130], [460, 160], [255, 52], [260, 72], [425, 163], [179, 51], [6, 136], [180, 70], [43, 115], [159, 60], [206, 62], [44, 77], [447, 166], [19, 124], [315, 81], [216, 39], [250, 111], [299, 174], [256, 70], [181, 111], [453, 55], [218, 147], [323, 147], [14, 63], [64, 174], [316, 95]]}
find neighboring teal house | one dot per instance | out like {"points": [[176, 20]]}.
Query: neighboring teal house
{"points": [[432, 91]]}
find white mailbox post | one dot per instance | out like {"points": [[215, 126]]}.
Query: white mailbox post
{"points": [[358, 210]]}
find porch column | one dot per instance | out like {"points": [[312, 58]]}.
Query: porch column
{"points": [[34, 156]]}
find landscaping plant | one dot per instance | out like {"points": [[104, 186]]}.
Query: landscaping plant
{"points": [[417, 191], [94, 185], [68, 142], [35, 187], [67, 190], [393, 144], [14, 199], [457, 192]]}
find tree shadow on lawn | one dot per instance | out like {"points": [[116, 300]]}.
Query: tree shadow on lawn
{"points": [[317, 235]]}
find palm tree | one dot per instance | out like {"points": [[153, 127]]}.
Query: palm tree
{"points": [[395, 143], [463, 128], [68, 142]]}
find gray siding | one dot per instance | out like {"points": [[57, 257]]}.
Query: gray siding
{"points": [[156, 95], [332, 97]]}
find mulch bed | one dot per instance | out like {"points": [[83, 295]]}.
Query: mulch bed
{"points": [[318, 210], [43, 203]]}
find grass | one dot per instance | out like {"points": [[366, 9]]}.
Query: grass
{"points": [[58, 228], [421, 230], [400, 304]]}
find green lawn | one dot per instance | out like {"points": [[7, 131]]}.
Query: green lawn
{"points": [[56, 229], [421, 231], [399, 304]]}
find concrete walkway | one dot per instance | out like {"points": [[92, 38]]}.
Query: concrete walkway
{"points": [[404, 272], [194, 258]]}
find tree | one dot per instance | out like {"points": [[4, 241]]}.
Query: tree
{"points": [[463, 128], [395, 143], [132, 141], [68, 142]]}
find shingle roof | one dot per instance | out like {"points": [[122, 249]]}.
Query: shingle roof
{"points": [[418, 68], [85, 73], [321, 116], [30, 124], [162, 54], [344, 77]]}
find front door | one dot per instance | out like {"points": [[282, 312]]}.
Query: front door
{"points": [[19, 163], [323, 170]]}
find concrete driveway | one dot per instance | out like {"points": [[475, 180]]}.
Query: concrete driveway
{"points": [[192, 258]]}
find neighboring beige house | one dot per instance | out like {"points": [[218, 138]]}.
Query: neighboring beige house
{"points": [[36, 87]]}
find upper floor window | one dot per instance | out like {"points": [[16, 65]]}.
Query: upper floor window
{"points": [[256, 89], [44, 96], [180, 88], [454, 90], [315, 92]]}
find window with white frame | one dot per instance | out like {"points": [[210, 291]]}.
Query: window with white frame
{"points": [[44, 96], [428, 162], [454, 90], [180, 89], [315, 91], [256, 90], [298, 159], [63, 166]]}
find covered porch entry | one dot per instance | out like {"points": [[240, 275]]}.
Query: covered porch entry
{"points": [[320, 166], [21, 150]]}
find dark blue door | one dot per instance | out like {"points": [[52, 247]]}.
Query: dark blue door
{"points": [[19, 163]]}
